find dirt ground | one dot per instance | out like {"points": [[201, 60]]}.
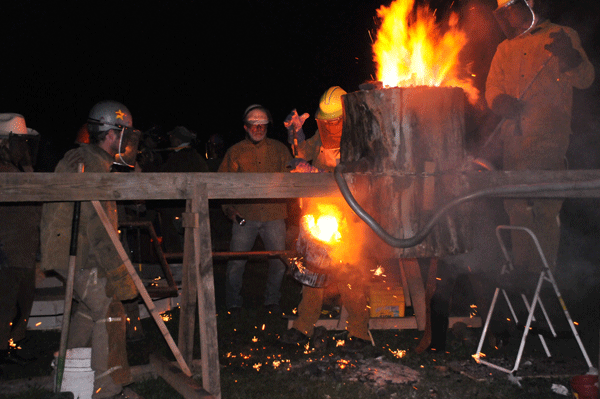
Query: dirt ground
{"points": [[254, 364]]}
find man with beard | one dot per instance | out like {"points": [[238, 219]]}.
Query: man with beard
{"points": [[259, 154], [101, 279]]}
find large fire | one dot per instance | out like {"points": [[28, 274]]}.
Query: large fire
{"points": [[413, 49]]}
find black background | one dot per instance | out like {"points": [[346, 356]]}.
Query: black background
{"points": [[200, 64]]}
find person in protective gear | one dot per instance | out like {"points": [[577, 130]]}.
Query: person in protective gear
{"points": [[256, 153], [530, 84], [19, 238], [183, 159], [323, 150], [20, 143], [101, 279], [109, 115]]}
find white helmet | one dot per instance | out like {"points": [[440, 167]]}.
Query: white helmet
{"points": [[107, 115]]}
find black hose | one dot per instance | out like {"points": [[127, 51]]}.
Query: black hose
{"points": [[422, 234]]}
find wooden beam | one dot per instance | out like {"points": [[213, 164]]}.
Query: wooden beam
{"points": [[185, 385], [484, 180], [45, 187]]}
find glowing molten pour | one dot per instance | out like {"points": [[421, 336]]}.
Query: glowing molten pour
{"points": [[411, 49], [325, 228]]}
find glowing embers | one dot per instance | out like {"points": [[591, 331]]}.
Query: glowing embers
{"points": [[413, 49]]}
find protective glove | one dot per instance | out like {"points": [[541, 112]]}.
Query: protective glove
{"points": [[507, 106], [293, 123], [120, 284], [562, 48], [299, 165]]}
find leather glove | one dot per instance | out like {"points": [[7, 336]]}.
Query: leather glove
{"points": [[293, 123], [562, 48], [120, 284], [299, 165], [507, 106]]}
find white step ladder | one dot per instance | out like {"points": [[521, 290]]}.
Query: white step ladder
{"points": [[545, 276]]}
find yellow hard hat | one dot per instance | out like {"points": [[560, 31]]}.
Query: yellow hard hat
{"points": [[330, 105], [502, 3]]}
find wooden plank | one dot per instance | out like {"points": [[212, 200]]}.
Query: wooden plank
{"points": [[44, 187], [429, 291], [416, 289], [407, 299], [114, 237], [185, 385], [41, 187], [207, 310], [187, 305]]}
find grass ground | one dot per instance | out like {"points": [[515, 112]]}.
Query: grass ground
{"points": [[255, 365]]}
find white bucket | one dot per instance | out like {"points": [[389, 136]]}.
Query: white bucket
{"points": [[78, 376]]}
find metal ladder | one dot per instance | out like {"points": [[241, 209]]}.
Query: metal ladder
{"points": [[545, 276]]}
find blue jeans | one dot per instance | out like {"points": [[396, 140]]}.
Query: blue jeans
{"points": [[242, 240]]}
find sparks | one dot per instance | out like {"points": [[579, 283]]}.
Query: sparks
{"points": [[398, 353]]}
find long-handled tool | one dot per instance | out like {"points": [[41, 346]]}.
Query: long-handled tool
{"points": [[64, 333], [525, 90]]}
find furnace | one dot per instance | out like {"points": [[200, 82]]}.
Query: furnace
{"points": [[406, 149]]}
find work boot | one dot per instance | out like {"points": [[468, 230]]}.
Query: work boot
{"points": [[319, 338], [355, 345], [293, 337]]}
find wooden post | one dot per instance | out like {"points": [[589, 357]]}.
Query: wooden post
{"points": [[199, 273], [187, 306], [416, 290]]}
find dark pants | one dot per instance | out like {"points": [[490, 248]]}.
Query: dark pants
{"points": [[17, 287]]}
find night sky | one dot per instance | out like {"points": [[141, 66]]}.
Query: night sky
{"points": [[197, 65]]}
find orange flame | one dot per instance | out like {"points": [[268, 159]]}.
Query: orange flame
{"points": [[323, 224], [412, 49]]}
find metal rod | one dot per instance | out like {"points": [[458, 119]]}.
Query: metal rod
{"points": [[66, 321], [542, 340]]}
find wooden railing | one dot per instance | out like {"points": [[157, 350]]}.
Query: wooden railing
{"points": [[197, 189]]}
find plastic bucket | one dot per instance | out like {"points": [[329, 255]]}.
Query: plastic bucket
{"points": [[585, 386], [78, 377]]}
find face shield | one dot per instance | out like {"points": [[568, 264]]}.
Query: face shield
{"points": [[128, 147], [23, 149], [331, 132], [515, 18]]}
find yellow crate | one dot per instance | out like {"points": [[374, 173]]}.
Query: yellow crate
{"points": [[386, 301]]}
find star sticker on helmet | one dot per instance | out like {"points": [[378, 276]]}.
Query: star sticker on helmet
{"points": [[120, 114]]}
